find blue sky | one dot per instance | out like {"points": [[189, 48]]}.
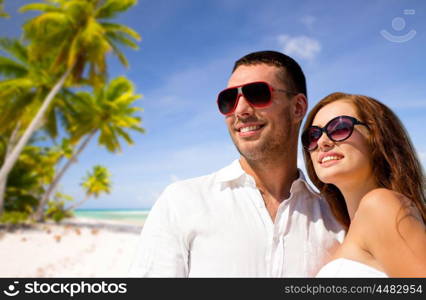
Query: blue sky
{"points": [[187, 51]]}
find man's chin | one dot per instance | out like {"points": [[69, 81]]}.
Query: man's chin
{"points": [[251, 153], [252, 149]]}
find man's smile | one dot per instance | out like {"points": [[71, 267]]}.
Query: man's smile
{"points": [[246, 130]]}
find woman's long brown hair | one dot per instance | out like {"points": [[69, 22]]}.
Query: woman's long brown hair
{"points": [[393, 158]]}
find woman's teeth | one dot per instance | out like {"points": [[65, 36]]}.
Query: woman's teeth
{"points": [[328, 158]]}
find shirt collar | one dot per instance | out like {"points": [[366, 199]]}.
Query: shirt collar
{"points": [[231, 172], [234, 171], [301, 182]]}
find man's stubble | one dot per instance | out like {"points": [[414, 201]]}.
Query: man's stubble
{"points": [[272, 148]]}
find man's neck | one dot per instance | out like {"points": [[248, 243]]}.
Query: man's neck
{"points": [[273, 179]]}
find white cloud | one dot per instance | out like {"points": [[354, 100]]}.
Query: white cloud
{"points": [[301, 46]]}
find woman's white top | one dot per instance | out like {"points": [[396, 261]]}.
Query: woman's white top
{"points": [[343, 267]]}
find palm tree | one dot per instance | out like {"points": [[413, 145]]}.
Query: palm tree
{"points": [[95, 184], [78, 33], [109, 111], [3, 14], [22, 88], [34, 169]]}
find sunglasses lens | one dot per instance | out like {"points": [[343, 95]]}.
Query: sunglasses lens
{"points": [[310, 138], [226, 100], [340, 129], [258, 93]]}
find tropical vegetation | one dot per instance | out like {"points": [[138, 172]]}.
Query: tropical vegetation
{"points": [[57, 98], [3, 14]]}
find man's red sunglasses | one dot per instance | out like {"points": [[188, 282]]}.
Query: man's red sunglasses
{"points": [[258, 94]]}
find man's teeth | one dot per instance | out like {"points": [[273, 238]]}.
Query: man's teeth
{"points": [[249, 128], [327, 158]]}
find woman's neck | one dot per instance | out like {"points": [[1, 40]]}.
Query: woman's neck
{"points": [[353, 192]]}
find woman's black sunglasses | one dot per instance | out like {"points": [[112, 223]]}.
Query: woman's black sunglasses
{"points": [[337, 129], [258, 94]]}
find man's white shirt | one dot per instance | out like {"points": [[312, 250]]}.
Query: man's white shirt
{"points": [[218, 226]]}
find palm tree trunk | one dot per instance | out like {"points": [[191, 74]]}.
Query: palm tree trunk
{"points": [[38, 216], [9, 146], [10, 161], [2, 194], [78, 203]]}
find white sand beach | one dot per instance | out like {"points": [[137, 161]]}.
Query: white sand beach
{"points": [[77, 248]]}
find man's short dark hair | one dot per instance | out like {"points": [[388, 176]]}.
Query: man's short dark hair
{"points": [[292, 74]]}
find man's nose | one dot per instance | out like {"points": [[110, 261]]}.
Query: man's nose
{"points": [[244, 108]]}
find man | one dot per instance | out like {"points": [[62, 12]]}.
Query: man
{"points": [[256, 217]]}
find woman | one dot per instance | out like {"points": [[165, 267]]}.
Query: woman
{"points": [[361, 159]]}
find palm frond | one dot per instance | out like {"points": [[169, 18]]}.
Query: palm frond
{"points": [[3, 14], [14, 48], [78, 10], [121, 57], [41, 51], [122, 29], [22, 108], [12, 109], [117, 87], [65, 107], [111, 8], [51, 123], [124, 135], [124, 101], [92, 38], [47, 27], [11, 69], [108, 138], [57, 2], [122, 40], [43, 7], [73, 53], [138, 129], [17, 86]]}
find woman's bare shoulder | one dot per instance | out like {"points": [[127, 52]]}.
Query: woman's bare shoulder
{"points": [[384, 203], [389, 226], [382, 209]]}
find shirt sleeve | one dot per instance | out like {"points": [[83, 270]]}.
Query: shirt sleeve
{"points": [[161, 250]]}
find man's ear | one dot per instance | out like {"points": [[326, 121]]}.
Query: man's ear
{"points": [[299, 107]]}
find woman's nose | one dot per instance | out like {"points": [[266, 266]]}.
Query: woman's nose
{"points": [[324, 142]]}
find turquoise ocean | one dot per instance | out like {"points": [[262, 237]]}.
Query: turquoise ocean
{"points": [[130, 216]]}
